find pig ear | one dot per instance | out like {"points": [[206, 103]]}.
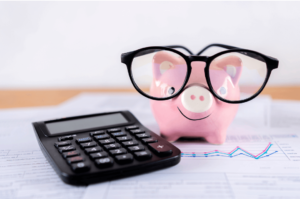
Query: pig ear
{"points": [[232, 65], [162, 61]]}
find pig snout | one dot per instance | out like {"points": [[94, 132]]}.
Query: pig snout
{"points": [[196, 99]]}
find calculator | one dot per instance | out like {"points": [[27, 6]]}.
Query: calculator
{"points": [[99, 147]]}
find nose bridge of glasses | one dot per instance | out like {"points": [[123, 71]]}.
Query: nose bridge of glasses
{"points": [[197, 58]]}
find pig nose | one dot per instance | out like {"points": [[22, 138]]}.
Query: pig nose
{"points": [[196, 99]]}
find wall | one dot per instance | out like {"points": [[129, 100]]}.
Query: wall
{"points": [[78, 44]]}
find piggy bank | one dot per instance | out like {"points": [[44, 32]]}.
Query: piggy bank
{"points": [[195, 112]]}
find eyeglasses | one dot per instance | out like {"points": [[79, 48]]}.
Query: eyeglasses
{"points": [[162, 73]]}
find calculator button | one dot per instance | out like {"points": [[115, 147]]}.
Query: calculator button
{"points": [[136, 148], [118, 151], [143, 155], [93, 149], [118, 134], [98, 155], [101, 137], [68, 137], [131, 127], [104, 162], [66, 148], [88, 144], [124, 138], [97, 133], [64, 143], [71, 154], [137, 131], [81, 140], [160, 149], [80, 166], [143, 135], [130, 143], [125, 158], [112, 146], [107, 141], [75, 159], [149, 140], [113, 130]]}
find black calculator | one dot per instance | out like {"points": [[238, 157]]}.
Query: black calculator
{"points": [[93, 148]]}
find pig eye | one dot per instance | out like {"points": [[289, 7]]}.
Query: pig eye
{"points": [[223, 90], [171, 90]]}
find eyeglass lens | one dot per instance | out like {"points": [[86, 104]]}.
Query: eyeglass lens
{"points": [[237, 76], [159, 73]]}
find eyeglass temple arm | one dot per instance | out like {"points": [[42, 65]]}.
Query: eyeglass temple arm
{"points": [[182, 47], [216, 45]]}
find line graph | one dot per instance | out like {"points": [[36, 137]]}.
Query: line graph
{"points": [[237, 151]]}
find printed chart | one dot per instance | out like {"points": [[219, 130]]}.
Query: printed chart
{"points": [[246, 147], [234, 153]]}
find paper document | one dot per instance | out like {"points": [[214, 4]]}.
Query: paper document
{"points": [[244, 167], [27, 174], [257, 161], [285, 114], [260, 159]]}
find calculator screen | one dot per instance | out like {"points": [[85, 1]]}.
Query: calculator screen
{"points": [[85, 123]]}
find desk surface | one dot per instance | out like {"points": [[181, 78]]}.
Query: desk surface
{"points": [[48, 97]]}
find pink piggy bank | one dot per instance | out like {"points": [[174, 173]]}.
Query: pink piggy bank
{"points": [[195, 112]]}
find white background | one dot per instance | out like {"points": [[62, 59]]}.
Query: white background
{"points": [[78, 44]]}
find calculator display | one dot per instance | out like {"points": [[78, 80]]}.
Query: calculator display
{"points": [[85, 123]]}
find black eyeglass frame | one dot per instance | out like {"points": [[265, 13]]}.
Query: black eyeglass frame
{"points": [[272, 63]]}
